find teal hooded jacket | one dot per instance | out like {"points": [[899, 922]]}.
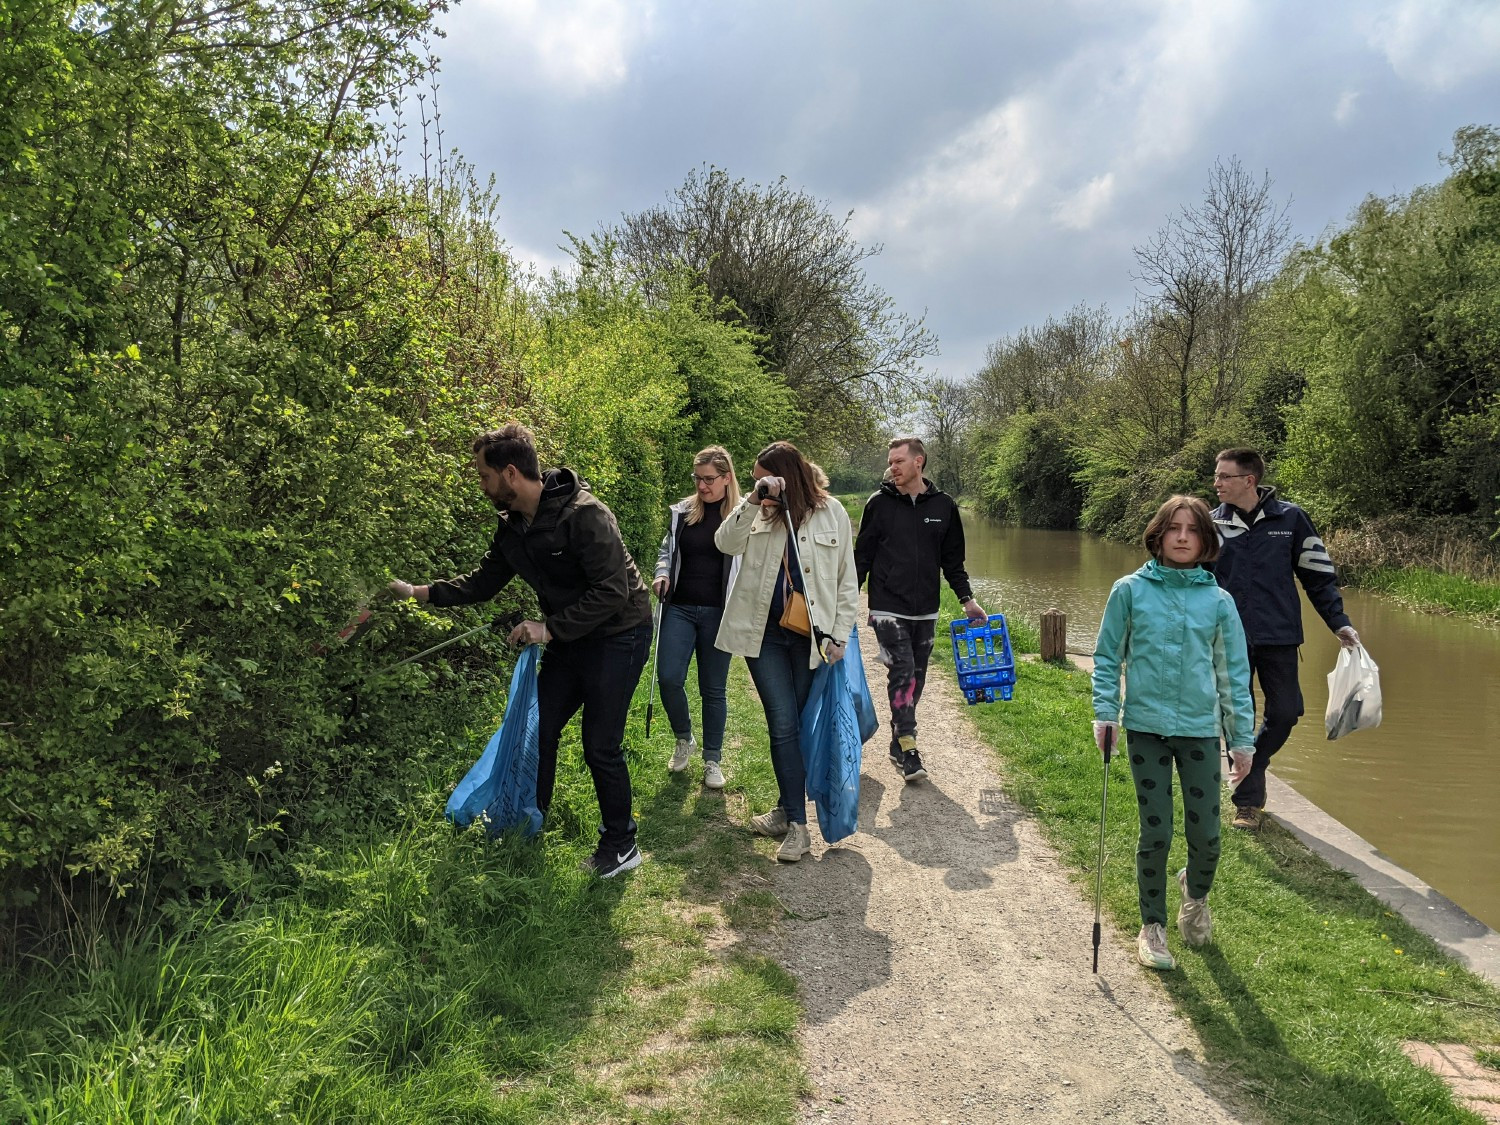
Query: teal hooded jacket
{"points": [[1178, 641]]}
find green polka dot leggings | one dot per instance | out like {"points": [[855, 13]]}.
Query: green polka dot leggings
{"points": [[1151, 758]]}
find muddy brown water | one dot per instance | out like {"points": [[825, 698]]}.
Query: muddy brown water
{"points": [[1423, 787]]}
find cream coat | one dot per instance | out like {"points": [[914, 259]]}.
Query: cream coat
{"points": [[826, 546]]}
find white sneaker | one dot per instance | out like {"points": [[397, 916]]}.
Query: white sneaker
{"points": [[682, 755], [1194, 922], [772, 823], [713, 776], [796, 845], [1151, 947]]}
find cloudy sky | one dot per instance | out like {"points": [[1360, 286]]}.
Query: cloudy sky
{"points": [[1007, 155]]}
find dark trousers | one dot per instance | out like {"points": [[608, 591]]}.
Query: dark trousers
{"points": [[905, 649], [686, 630], [1151, 760], [1275, 668], [598, 674], [783, 680]]}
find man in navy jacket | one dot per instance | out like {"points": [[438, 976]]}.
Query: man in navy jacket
{"points": [[1265, 542], [909, 531]]}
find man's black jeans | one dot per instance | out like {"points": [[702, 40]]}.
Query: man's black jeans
{"points": [[598, 674], [1275, 667]]}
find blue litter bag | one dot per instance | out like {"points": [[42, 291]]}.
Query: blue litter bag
{"points": [[502, 784], [833, 735]]}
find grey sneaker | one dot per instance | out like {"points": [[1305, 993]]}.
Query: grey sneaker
{"points": [[682, 755], [1151, 947], [1194, 922], [796, 845], [713, 776], [772, 823]]}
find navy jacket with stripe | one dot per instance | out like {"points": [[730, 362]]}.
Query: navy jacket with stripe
{"points": [[1258, 557]]}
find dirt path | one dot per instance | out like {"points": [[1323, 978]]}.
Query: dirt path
{"points": [[944, 961]]}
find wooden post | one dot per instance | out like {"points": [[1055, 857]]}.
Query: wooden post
{"points": [[1054, 635]]}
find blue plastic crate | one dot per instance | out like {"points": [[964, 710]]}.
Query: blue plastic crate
{"points": [[981, 653]]}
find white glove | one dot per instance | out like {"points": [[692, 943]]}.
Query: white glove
{"points": [[401, 591], [1240, 759], [769, 487], [1347, 636], [1111, 731]]}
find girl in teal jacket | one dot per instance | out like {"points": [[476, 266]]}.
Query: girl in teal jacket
{"points": [[1177, 638]]}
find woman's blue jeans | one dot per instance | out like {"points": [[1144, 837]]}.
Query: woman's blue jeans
{"points": [[685, 630], [783, 679]]}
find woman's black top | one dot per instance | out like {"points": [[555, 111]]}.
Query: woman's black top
{"points": [[700, 567]]}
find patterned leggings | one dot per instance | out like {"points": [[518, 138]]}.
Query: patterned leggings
{"points": [[1151, 758]]}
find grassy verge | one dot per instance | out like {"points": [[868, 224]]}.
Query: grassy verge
{"points": [[1422, 588], [1311, 985], [430, 975]]}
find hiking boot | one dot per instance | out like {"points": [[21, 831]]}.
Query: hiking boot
{"points": [[796, 845], [713, 775], [1151, 947], [1194, 922], [1248, 818], [682, 755], [772, 823], [911, 767], [606, 863]]}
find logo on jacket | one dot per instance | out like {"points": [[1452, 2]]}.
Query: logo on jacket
{"points": [[932, 519]]}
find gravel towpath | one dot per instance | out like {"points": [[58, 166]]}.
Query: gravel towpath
{"points": [[944, 960]]}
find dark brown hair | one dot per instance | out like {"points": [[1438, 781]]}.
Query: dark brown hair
{"points": [[1248, 460], [806, 484], [511, 444], [914, 444], [1202, 517]]}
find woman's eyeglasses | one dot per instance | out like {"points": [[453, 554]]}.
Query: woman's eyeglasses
{"points": [[707, 480]]}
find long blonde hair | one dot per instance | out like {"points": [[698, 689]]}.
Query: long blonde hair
{"points": [[718, 457]]}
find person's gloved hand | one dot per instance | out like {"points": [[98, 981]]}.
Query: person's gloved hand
{"points": [[833, 652], [1103, 731], [1240, 759], [768, 490], [1347, 636], [974, 611], [401, 591], [530, 633], [660, 587]]}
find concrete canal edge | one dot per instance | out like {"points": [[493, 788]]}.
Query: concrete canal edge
{"points": [[1429, 910]]}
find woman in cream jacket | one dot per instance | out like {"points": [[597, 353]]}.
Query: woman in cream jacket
{"points": [[782, 661]]}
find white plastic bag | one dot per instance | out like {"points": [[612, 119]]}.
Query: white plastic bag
{"points": [[1353, 693]]}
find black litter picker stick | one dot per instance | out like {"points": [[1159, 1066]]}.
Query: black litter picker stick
{"points": [[1109, 745], [503, 624]]}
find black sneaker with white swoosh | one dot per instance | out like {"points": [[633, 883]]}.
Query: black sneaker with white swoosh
{"points": [[607, 863]]}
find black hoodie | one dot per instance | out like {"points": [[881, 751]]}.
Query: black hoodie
{"points": [[571, 554], [903, 541]]}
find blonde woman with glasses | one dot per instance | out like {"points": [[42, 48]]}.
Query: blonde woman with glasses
{"points": [[692, 581]]}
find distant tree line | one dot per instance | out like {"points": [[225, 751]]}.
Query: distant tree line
{"points": [[1366, 365]]}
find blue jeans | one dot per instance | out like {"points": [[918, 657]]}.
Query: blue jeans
{"points": [[686, 629], [783, 679]]}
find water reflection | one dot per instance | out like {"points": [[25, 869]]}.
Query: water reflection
{"points": [[1423, 787]]}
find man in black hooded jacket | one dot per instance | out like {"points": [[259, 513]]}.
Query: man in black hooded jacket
{"points": [[566, 546], [910, 531]]}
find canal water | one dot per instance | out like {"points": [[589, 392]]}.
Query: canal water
{"points": [[1423, 787]]}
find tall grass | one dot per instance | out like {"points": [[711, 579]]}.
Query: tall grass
{"points": [[1377, 551], [430, 975]]}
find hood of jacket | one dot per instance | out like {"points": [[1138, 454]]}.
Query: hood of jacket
{"points": [[929, 490]]}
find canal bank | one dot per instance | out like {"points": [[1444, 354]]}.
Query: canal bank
{"points": [[1421, 788]]}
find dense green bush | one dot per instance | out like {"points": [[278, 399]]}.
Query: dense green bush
{"points": [[1031, 477], [240, 363]]}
